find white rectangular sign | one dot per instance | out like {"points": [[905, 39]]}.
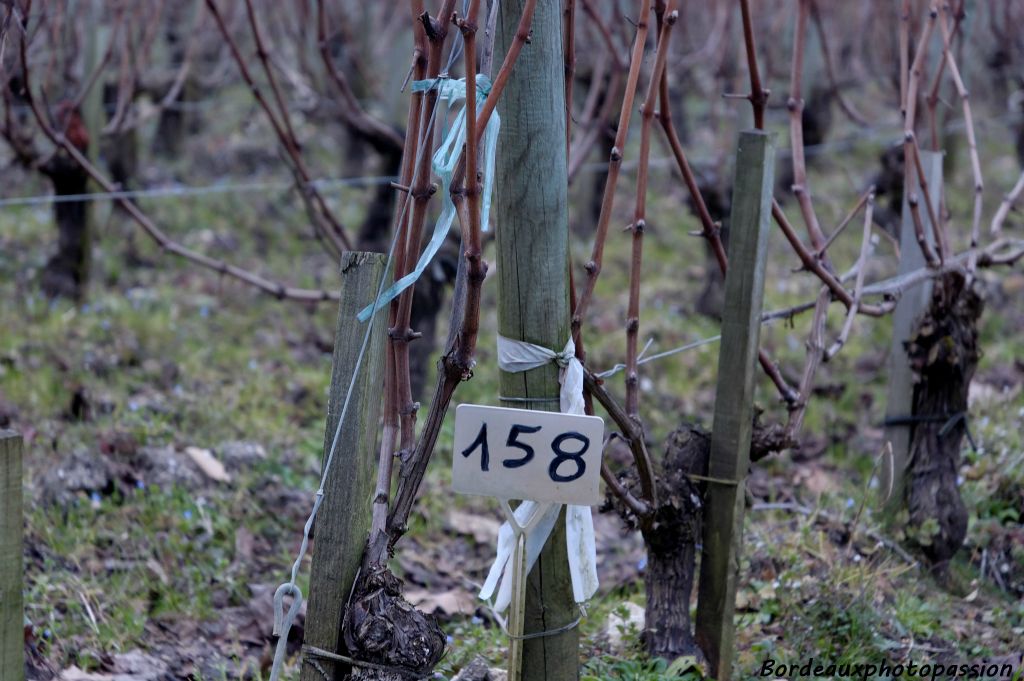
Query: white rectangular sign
{"points": [[523, 454]]}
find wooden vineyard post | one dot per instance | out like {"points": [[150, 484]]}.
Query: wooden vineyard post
{"points": [[531, 208], [12, 610], [734, 399], [343, 521], [912, 304]]}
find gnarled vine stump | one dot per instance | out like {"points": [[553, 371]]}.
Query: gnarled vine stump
{"points": [[943, 354]]}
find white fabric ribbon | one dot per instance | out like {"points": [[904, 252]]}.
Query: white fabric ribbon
{"points": [[515, 356]]}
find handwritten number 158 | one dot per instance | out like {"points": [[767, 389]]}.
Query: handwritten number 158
{"points": [[561, 455]]}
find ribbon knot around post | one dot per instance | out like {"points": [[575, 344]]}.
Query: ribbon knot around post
{"points": [[516, 356], [443, 163]]}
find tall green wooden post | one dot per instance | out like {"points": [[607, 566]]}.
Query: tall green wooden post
{"points": [[532, 233], [12, 611], [734, 399]]}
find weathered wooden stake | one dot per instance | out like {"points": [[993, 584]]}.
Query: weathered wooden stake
{"points": [[12, 610], [343, 521], [911, 306], [734, 399], [533, 287]]}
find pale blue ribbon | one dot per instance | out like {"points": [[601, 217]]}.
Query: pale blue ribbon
{"points": [[443, 164]]}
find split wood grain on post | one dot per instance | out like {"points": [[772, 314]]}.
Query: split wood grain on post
{"points": [[343, 522]]}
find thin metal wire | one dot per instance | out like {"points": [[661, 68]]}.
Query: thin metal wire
{"points": [[202, 104], [668, 353], [948, 421], [767, 318], [878, 135], [550, 632], [309, 652], [196, 190], [327, 183], [503, 623], [503, 398]]}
